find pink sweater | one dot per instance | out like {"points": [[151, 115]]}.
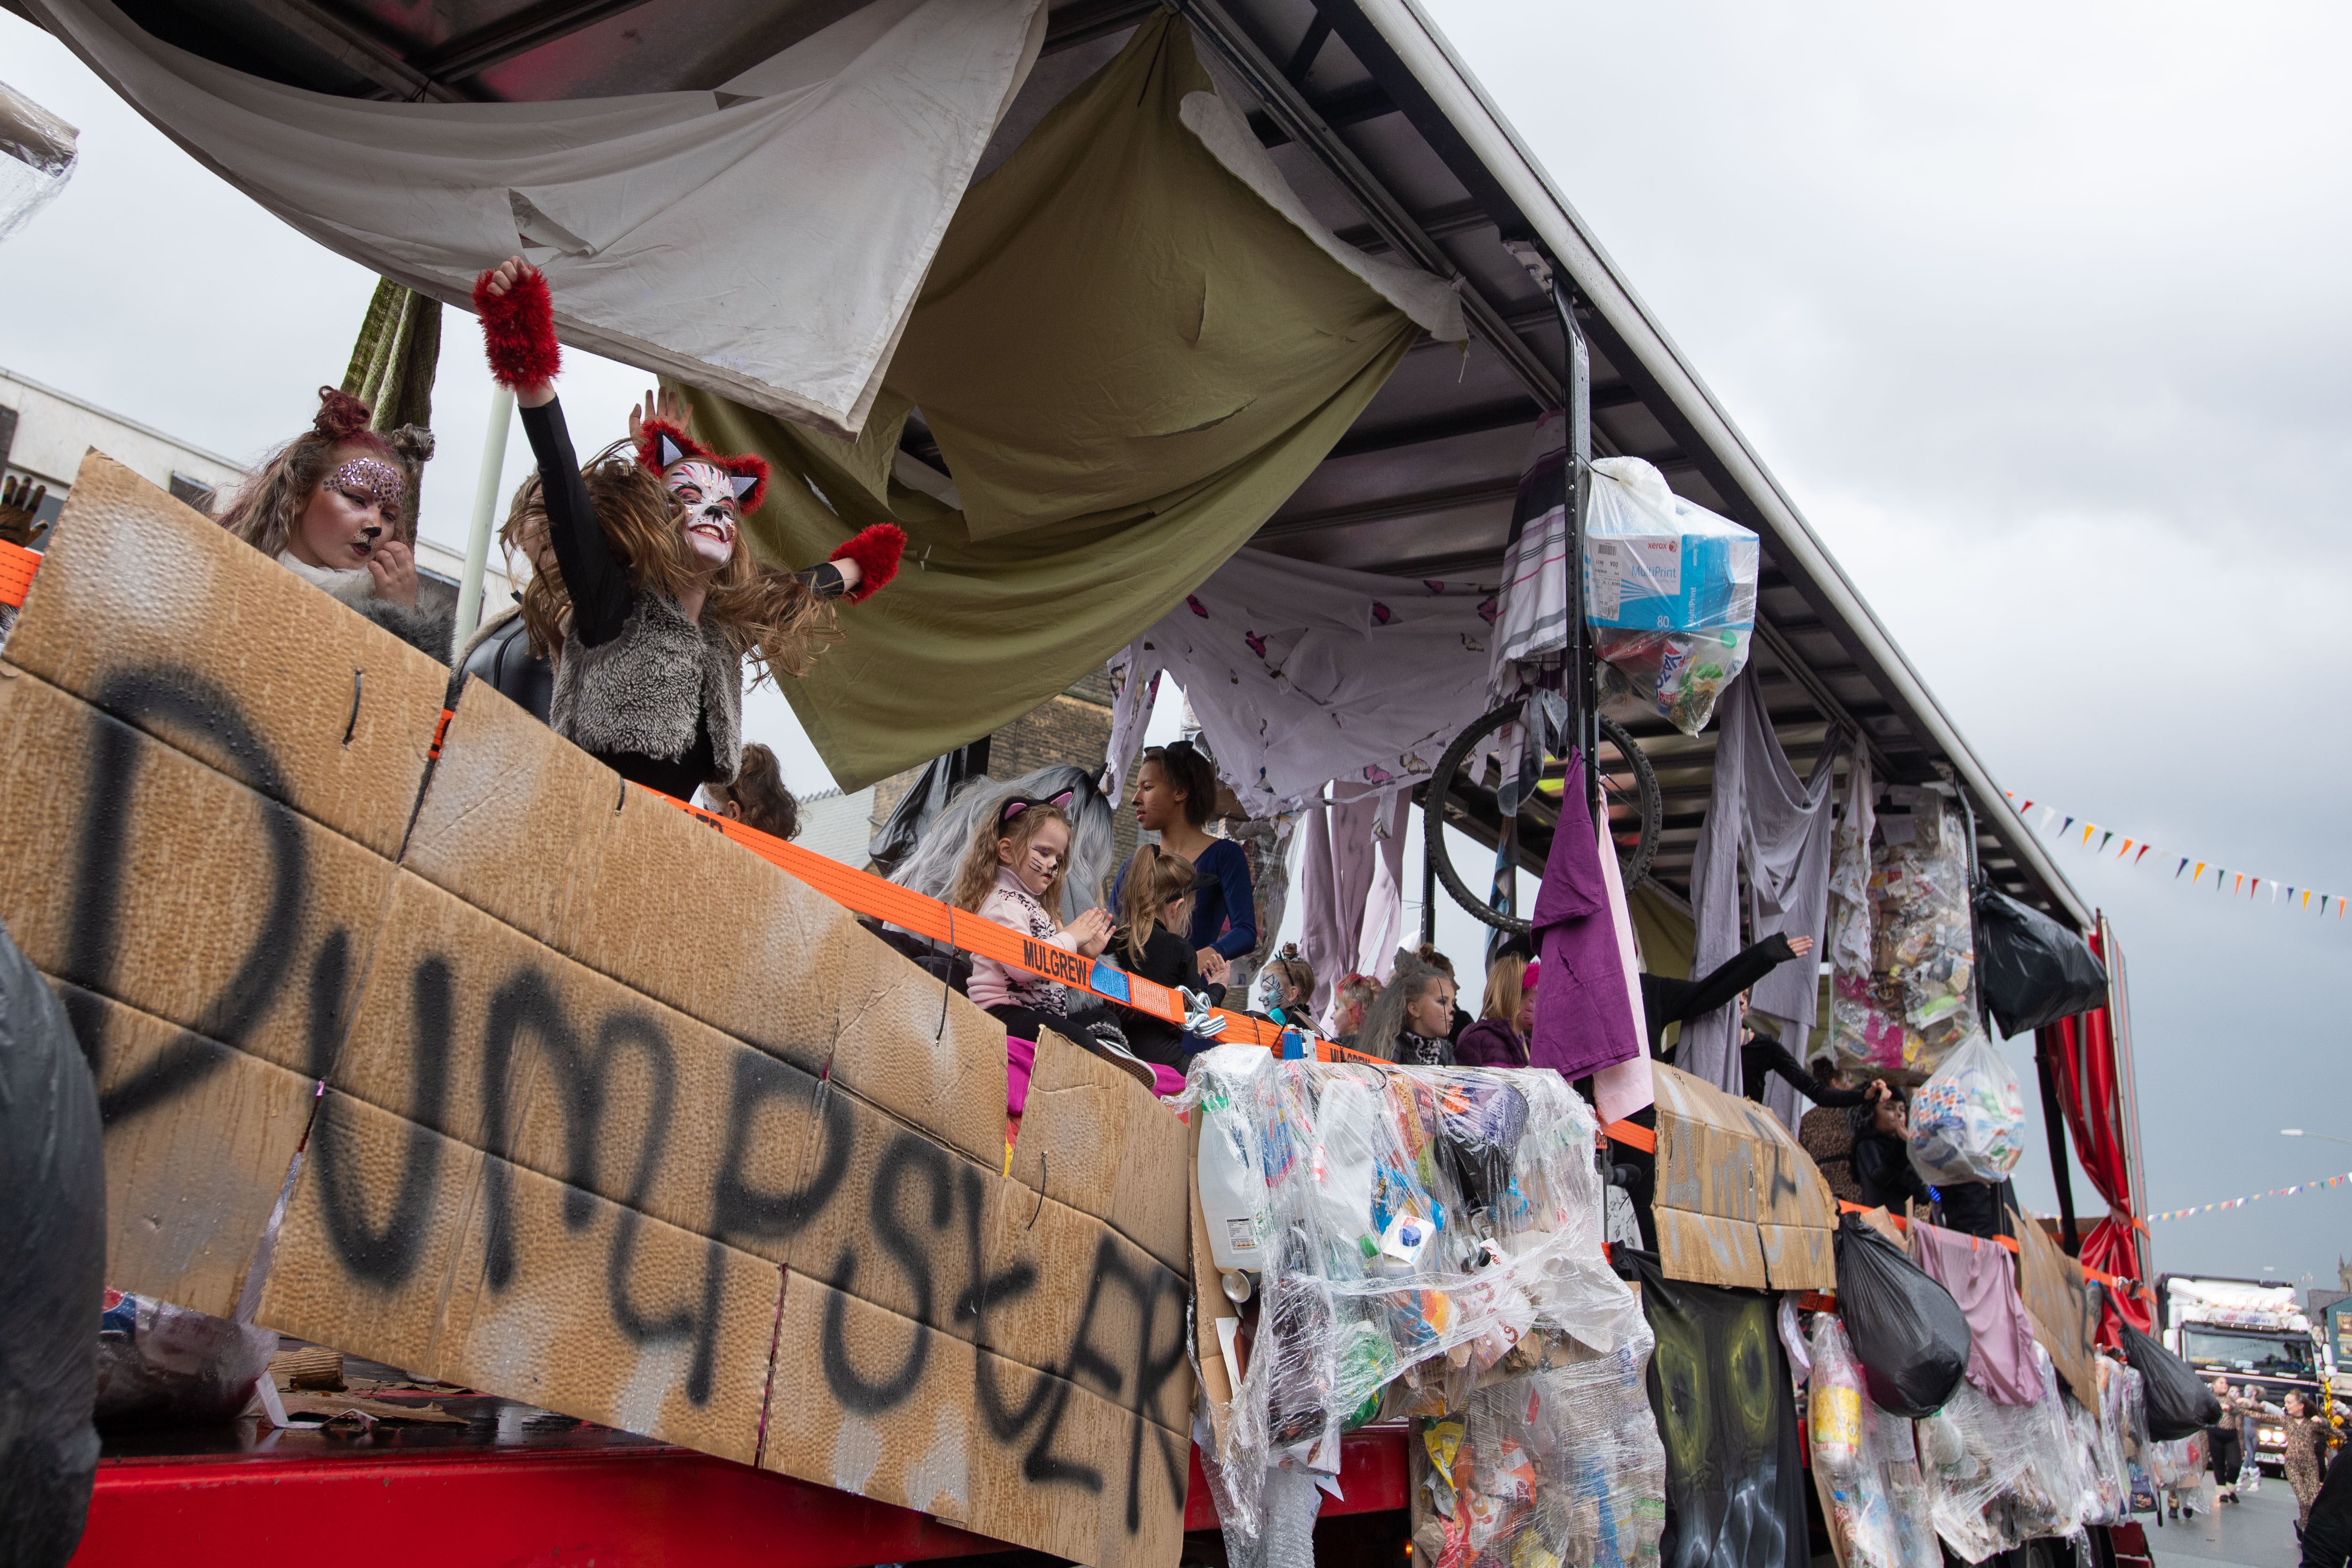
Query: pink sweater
{"points": [[995, 984]]}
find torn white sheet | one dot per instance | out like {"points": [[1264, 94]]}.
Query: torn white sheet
{"points": [[1302, 673], [765, 239]]}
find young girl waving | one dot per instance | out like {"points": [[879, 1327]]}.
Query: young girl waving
{"points": [[661, 601]]}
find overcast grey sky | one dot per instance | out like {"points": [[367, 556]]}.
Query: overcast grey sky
{"points": [[2038, 315]]}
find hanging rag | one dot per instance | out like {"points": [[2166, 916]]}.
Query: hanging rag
{"points": [[1980, 1277], [1133, 349], [1765, 820], [395, 356], [766, 234], [1585, 1018], [1620, 1091], [1340, 865]]}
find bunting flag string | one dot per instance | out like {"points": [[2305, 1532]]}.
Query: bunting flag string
{"points": [[2252, 1197], [2135, 851]]}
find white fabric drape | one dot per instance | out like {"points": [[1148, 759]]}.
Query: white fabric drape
{"points": [[1301, 673], [765, 239]]}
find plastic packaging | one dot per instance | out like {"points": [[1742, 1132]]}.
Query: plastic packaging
{"points": [[1670, 588], [53, 1259], [2178, 1403], [2034, 971], [1858, 1485], [1233, 1187], [162, 1365], [1999, 1475], [1917, 1003], [1967, 1122], [1910, 1336], [1431, 1232], [1564, 1467], [1674, 675]]}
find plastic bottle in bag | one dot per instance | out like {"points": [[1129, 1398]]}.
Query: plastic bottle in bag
{"points": [[1670, 589]]}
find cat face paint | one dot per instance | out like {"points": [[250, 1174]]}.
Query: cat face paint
{"points": [[706, 495]]}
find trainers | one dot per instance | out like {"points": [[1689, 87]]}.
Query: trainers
{"points": [[1106, 1041]]}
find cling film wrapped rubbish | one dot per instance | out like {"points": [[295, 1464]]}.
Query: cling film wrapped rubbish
{"points": [[1561, 1469], [1431, 1231], [1670, 589], [1870, 1459], [1999, 1475], [1917, 1003]]}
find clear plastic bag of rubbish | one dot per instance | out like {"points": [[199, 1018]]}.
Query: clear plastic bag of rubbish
{"points": [[37, 156], [1917, 1003], [1967, 1122], [1999, 1475], [1674, 675], [1563, 1466], [1670, 589], [1870, 1458], [1431, 1231], [162, 1365]]}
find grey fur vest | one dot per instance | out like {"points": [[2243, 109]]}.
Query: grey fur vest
{"points": [[648, 689]]}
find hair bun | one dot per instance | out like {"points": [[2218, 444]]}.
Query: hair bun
{"points": [[1290, 949], [413, 442], [341, 416]]}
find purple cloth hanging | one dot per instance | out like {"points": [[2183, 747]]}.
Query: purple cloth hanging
{"points": [[1584, 1014]]}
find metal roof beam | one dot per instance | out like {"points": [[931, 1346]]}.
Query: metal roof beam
{"points": [[470, 54], [1291, 110], [350, 45]]}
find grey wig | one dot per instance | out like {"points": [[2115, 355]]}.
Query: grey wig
{"points": [[1384, 1019], [931, 866]]}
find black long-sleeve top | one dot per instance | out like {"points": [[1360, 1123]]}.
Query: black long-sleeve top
{"points": [[1171, 960], [1665, 1000]]}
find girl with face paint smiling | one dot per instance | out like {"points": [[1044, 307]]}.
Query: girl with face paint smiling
{"points": [[660, 601]]}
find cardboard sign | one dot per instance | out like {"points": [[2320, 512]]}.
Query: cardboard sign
{"points": [[1737, 1202], [593, 1108], [2060, 1303]]}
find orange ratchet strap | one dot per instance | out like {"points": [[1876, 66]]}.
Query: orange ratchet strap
{"points": [[866, 894]]}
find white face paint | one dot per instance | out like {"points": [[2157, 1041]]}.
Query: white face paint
{"points": [[705, 495]]}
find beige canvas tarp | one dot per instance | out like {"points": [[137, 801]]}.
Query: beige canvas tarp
{"points": [[617, 1118], [1737, 1202], [1132, 349]]}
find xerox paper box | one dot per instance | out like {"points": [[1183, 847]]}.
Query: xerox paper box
{"points": [[1654, 562]]}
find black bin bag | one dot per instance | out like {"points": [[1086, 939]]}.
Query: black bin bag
{"points": [[2034, 970], [2178, 1403], [52, 1272], [1910, 1336]]}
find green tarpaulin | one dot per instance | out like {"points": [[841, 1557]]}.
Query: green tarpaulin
{"points": [[1130, 355]]}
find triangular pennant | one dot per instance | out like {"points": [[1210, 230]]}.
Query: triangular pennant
{"points": [[2200, 872], [2184, 866], [2123, 852], [2088, 828], [2241, 887], [2143, 853], [2047, 813], [2306, 898], [2066, 824], [2106, 839]]}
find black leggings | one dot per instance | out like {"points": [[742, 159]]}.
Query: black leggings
{"points": [[1023, 1023]]}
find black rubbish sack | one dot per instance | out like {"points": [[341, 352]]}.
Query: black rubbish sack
{"points": [[2178, 1403], [2034, 970], [53, 1259], [1910, 1336]]}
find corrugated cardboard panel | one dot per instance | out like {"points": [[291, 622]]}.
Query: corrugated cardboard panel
{"points": [[154, 614], [188, 1194], [1797, 1257], [2059, 1300], [1710, 1250], [133, 870], [1106, 1147]]}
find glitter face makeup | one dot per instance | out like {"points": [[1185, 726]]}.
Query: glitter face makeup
{"points": [[379, 482]]}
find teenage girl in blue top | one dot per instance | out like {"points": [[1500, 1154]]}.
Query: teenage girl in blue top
{"points": [[1174, 792]]}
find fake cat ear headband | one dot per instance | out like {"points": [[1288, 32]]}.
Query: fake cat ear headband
{"points": [[1020, 803], [662, 445]]}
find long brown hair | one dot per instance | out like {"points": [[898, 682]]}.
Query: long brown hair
{"points": [[1154, 877], [976, 877], [768, 616], [272, 501], [759, 794]]}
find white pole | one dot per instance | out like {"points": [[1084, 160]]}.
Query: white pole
{"points": [[486, 502]]}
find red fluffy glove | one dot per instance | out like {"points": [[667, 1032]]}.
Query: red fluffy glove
{"points": [[518, 330], [877, 551]]}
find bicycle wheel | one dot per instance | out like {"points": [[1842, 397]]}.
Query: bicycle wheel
{"points": [[1629, 786]]}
